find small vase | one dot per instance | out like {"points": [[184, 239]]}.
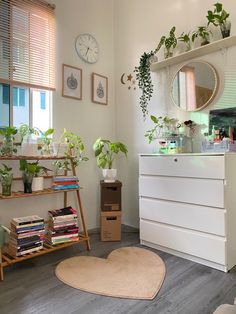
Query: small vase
{"points": [[27, 180], [225, 29], [168, 52], [205, 42], [6, 184], [46, 150]]}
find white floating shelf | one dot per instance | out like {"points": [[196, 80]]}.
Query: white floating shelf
{"points": [[194, 53]]}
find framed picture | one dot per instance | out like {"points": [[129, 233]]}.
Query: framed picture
{"points": [[99, 89], [71, 82]]}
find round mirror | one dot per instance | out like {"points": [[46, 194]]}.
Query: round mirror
{"points": [[194, 86]]}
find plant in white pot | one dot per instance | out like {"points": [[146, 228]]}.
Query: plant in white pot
{"points": [[105, 152], [31, 172], [38, 180]]}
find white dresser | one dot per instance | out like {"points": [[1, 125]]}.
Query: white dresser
{"points": [[188, 206]]}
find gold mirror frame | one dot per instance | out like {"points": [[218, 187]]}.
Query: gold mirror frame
{"points": [[215, 89]]}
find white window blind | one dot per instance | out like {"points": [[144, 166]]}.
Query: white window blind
{"points": [[27, 43]]}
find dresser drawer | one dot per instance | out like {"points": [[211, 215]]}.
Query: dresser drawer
{"points": [[208, 247], [200, 218], [196, 166], [194, 191]]}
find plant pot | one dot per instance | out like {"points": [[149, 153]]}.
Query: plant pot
{"points": [[46, 150], [37, 184], [27, 180], [168, 53], [225, 29], [7, 148], [205, 42], [109, 175], [6, 185]]}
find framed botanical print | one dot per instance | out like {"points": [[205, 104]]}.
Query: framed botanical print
{"points": [[99, 89], [71, 82]]}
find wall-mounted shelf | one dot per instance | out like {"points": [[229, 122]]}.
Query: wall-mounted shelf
{"points": [[194, 53]]}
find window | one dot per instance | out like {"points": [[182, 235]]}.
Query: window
{"points": [[4, 105], [27, 62]]}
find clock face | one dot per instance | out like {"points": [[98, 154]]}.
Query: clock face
{"points": [[87, 48]]}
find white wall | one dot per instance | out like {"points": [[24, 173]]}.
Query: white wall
{"points": [[124, 30], [85, 118], [138, 27]]}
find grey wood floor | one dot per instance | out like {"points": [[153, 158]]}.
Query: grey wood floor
{"points": [[189, 288]]}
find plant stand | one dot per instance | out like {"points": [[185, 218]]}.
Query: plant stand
{"points": [[5, 258]]}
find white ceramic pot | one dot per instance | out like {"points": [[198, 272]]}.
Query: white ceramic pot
{"points": [[109, 175], [37, 184]]}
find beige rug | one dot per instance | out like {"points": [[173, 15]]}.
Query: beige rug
{"points": [[128, 272]]}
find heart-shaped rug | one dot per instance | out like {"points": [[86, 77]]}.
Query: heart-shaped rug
{"points": [[127, 272]]}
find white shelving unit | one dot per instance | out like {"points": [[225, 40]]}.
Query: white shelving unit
{"points": [[194, 53]]}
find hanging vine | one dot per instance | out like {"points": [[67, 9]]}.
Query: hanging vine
{"points": [[143, 76]]}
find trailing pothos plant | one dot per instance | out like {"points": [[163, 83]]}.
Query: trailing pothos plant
{"points": [[161, 125], [74, 153]]}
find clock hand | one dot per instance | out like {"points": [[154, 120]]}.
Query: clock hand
{"points": [[87, 51]]}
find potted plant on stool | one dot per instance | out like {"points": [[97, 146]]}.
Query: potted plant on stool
{"points": [[105, 151]]}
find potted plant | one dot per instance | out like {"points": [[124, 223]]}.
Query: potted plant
{"points": [[163, 128], [29, 145], [7, 148], [74, 153], [219, 17], [203, 33], [38, 179], [105, 152], [47, 139], [143, 71], [6, 177], [185, 38], [169, 43], [143, 76], [29, 170]]}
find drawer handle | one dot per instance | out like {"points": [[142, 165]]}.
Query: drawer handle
{"points": [[175, 159]]}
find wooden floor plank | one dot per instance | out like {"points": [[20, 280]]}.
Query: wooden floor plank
{"points": [[31, 287]]}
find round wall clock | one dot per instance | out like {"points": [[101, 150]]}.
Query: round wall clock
{"points": [[87, 48]]}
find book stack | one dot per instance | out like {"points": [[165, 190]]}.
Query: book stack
{"points": [[65, 182], [27, 234], [63, 226]]}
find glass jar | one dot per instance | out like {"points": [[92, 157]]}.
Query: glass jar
{"points": [[6, 181], [7, 148], [27, 180]]}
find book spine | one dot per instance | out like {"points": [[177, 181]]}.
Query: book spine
{"points": [[25, 229], [63, 218], [64, 187], [28, 224], [64, 236]]}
